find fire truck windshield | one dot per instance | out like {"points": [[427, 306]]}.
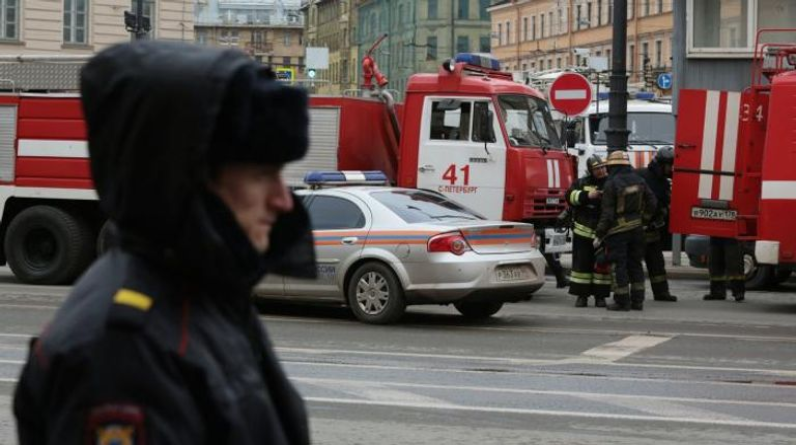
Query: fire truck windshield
{"points": [[645, 128], [528, 122]]}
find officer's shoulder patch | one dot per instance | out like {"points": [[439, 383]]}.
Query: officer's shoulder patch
{"points": [[116, 424]]}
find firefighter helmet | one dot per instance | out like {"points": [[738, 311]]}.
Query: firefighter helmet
{"points": [[594, 162], [664, 156], [617, 158]]}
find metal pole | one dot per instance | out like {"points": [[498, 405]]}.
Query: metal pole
{"points": [[617, 131], [139, 20], [453, 29]]}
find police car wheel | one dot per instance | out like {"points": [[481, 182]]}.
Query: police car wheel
{"points": [[375, 294], [478, 309], [48, 245]]}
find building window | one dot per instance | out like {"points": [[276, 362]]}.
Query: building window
{"points": [[549, 64], [631, 9], [483, 14], [632, 59], [484, 46], [462, 44], [608, 56], [561, 21], [600, 12], [431, 48], [508, 33], [75, 15], [645, 54], [149, 9], [464, 9], [525, 28], [588, 15], [558, 62], [286, 61], [541, 25], [660, 6], [578, 17], [647, 7], [724, 26], [610, 12], [550, 22], [287, 39], [9, 20], [533, 27], [200, 36], [500, 34], [658, 53], [433, 8]]}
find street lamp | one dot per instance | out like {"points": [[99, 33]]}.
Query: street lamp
{"points": [[137, 23]]}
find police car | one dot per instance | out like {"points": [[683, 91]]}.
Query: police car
{"points": [[381, 248]]}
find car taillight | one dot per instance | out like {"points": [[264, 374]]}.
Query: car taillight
{"points": [[449, 242], [534, 241]]}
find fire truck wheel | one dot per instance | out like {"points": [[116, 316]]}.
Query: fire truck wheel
{"points": [[757, 276], [478, 309], [781, 276], [47, 245]]}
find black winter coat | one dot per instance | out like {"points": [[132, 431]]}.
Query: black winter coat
{"points": [[158, 342]]}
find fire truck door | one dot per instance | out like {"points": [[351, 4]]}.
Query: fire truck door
{"points": [[453, 161]]}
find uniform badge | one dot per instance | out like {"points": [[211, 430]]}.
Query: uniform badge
{"points": [[115, 424]]}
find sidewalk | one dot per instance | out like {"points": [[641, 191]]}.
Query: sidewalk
{"points": [[674, 272]]}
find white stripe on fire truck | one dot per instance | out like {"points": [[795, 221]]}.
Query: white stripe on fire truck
{"points": [[550, 179], [709, 144], [778, 190], [728, 152], [557, 174], [53, 149]]}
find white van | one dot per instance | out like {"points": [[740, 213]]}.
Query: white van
{"points": [[651, 124]]}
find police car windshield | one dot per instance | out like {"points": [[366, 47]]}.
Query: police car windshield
{"points": [[528, 121], [645, 128], [415, 206]]}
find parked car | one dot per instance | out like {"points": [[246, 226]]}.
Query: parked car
{"points": [[380, 249]]}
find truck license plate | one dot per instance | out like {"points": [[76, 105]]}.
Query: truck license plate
{"points": [[719, 214], [511, 273], [553, 201]]}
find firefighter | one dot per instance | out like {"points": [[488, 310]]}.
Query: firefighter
{"points": [[584, 199], [657, 176], [158, 341], [626, 199], [725, 265]]}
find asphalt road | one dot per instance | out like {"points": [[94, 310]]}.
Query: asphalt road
{"points": [[539, 372]]}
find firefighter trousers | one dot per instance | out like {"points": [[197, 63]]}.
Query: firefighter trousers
{"points": [[586, 278], [656, 268], [725, 264], [625, 253]]}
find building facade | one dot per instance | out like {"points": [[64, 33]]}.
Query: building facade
{"points": [[331, 24], [83, 27], [539, 35], [714, 41], [271, 31]]}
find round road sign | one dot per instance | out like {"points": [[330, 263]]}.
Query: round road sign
{"points": [[570, 94]]}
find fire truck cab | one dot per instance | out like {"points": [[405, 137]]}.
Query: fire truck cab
{"points": [[735, 152]]}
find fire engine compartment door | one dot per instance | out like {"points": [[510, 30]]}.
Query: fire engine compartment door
{"points": [[706, 167], [453, 162], [8, 135], [324, 143]]}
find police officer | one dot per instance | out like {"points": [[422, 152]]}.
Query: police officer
{"points": [[158, 341], [626, 199], [657, 176], [725, 265], [584, 198]]}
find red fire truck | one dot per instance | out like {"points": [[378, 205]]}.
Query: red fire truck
{"points": [[468, 132], [734, 169]]}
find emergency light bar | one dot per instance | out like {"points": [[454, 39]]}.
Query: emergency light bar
{"points": [[641, 95], [480, 60], [317, 179]]}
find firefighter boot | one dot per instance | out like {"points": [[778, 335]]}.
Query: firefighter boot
{"points": [[709, 297], [599, 301], [739, 296], [621, 303], [637, 305], [581, 301], [665, 297]]}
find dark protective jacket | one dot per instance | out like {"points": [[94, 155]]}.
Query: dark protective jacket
{"points": [[158, 342], [586, 211], [659, 185], [626, 202]]}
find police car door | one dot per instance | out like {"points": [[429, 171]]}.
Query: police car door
{"points": [[453, 161], [340, 224]]}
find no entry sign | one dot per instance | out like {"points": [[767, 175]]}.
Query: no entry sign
{"points": [[570, 94]]}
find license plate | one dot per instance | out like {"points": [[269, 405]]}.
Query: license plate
{"points": [[719, 214], [511, 273], [553, 201]]}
